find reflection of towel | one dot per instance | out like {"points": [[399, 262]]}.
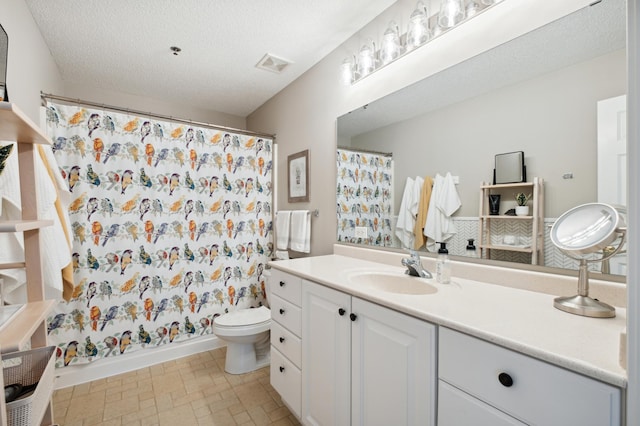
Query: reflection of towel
{"points": [[444, 202], [283, 218], [50, 205], [301, 231], [62, 216], [415, 196], [421, 218], [404, 226]]}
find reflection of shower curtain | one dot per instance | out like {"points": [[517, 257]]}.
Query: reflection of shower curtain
{"points": [[364, 197], [171, 226]]}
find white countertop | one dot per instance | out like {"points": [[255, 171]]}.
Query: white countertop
{"points": [[522, 320]]}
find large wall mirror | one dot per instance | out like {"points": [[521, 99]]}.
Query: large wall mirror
{"points": [[545, 93], [4, 50]]}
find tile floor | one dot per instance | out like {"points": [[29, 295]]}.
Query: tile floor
{"points": [[193, 390]]}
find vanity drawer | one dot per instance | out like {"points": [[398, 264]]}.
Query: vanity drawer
{"points": [[286, 379], [286, 314], [457, 408], [531, 390], [286, 342], [286, 286]]}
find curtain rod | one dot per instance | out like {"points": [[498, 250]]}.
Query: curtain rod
{"points": [[367, 151], [153, 115]]}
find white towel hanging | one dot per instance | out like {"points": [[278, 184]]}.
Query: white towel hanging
{"points": [[445, 201], [283, 220], [300, 237]]}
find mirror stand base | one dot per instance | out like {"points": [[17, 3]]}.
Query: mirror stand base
{"points": [[585, 306]]}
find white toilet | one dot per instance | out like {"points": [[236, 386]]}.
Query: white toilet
{"points": [[246, 332]]}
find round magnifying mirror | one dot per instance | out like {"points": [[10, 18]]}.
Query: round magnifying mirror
{"points": [[586, 229], [583, 230]]}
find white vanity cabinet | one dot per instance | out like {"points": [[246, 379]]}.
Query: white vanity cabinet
{"points": [[364, 364], [286, 346], [480, 382]]}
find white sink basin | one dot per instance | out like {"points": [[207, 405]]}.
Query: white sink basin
{"points": [[392, 282]]}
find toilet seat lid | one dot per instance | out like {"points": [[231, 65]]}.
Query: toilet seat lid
{"points": [[244, 317]]}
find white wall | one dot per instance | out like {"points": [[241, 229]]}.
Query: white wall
{"points": [[303, 115], [31, 67], [550, 118], [168, 107]]}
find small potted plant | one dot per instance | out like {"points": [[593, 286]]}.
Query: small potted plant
{"points": [[522, 209]]}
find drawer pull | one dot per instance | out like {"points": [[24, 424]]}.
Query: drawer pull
{"points": [[281, 311], [505, 379], [281, 283], [341, 312], [281, 369], [282, 340], [353, 317]]}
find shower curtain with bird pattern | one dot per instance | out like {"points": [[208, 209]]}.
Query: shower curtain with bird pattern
{"points": [[364, 197], [171, 226]]}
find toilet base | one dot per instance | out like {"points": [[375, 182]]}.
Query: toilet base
{"points": [[246, 357]]}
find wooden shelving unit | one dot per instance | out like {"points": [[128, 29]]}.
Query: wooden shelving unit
{"points": [[28, 325], [488, 223], [23, 225]]}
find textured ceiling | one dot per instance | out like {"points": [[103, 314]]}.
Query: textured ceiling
{"points": [[588, 33], [123, 45]]}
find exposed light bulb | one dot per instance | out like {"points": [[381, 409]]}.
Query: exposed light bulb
{"points": [[346, 72], [451, 13], [390, 44], [418, 31], [366, 58], [472, 8]]}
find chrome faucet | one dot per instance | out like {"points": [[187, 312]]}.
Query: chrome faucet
{"points": [[414, 266]]}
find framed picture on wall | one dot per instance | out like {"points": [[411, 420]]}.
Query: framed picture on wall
{"points": [[298, 176]]}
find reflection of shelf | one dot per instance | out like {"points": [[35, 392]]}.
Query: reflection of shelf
{"points": [[493, 229], [23, 225], [502, 216], [29, 325], [16, 126], [507, 185], [12, 265], [521, 249], [7, 312], [16, 336]]}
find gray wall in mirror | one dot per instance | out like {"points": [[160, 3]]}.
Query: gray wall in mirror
{"points": [[4, 50], [537, 93]]}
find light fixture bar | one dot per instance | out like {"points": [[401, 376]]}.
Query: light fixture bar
{"points": [[422, 29]]}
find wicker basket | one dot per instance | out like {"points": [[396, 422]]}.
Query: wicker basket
{"points": [[27, 368]]}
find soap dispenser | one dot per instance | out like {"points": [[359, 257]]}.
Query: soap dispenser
{"points": [[443, 265], [471, 248]]}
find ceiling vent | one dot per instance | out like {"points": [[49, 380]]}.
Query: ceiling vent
{"points": [[272, 63]]}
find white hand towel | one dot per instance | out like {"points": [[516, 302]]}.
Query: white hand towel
{"points": [[283, 220], [439, 226], [301, 231], [406, 221]]}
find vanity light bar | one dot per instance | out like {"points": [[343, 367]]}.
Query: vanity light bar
{"points": [[371, 58]]}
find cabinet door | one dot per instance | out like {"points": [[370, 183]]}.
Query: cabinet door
{"points": [[393, 367], [326, 352], [457, 408]]}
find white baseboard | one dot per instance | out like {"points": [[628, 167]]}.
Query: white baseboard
{"points": [[106, 367]]}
